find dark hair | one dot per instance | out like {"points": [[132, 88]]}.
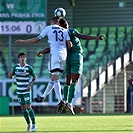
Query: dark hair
{"points": [[63, 23], [55, 19], [21, 54]]}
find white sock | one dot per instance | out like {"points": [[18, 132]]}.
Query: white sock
{"points": [[57, 88], [48, 89]]}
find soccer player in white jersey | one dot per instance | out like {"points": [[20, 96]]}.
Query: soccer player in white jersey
{"points": [[22, 73], [59, 42]]}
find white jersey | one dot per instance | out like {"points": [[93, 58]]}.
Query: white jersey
{"points": [[57, 37]]}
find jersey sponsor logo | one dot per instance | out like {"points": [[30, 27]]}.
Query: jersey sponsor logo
{"points": [[20, 73]]}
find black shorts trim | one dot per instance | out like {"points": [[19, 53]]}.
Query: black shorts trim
{"points": [[56, 70]]}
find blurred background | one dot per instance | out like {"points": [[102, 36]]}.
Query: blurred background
{"points": [[103, 87]]}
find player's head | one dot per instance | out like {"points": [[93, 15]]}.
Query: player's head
{"points": [[22, 57], [21, 54], [55, 20], [63, 23]]}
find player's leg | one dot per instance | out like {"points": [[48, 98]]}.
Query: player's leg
{"points": [[49, 88], [68, 78], [31, 113], [24, 110], [56, 66], [57, 89], [73, 86], [76, 71], [66, 87]]}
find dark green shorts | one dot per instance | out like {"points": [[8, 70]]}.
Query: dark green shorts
{"points": [[74, 63], [24, 98]]}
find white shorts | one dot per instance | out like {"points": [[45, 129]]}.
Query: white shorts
{"points": [[57, 62]]}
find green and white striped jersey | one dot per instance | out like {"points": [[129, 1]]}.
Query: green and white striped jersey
{"points": [[23, 75]]}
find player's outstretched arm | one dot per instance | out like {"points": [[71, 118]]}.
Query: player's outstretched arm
{"points": [[28, 41], [89, 37], [44, 51]]}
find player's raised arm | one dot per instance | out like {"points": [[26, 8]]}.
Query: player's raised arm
{"points": [[44, 51], [89, 37], [28, 41]]}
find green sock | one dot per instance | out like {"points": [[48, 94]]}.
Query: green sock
{"points": [[66, 87], [32, 115], [26, 116], [72, 91]]}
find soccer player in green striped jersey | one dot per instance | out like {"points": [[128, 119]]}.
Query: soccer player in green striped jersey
{"points": [[22, 73]]}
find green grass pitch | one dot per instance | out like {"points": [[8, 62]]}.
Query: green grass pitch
{"points": [[122, 123]]}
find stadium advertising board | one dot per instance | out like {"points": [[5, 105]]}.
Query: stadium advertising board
{"points": [[22, 16], [9, 89]]}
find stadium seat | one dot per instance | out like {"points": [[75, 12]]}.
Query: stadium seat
{"points": [[23, 50], [103, 31], [91, 45], [38, 59], [121, 29], [111, 35], [100, 48], [106, 59], [83, 43], [111, 43], [85, 52], [113, 48], [129, 29], [120, 35], [129, 34], [6, 55], [112, 29], [2, 72], [92, 59], [102, 43], [37, 70], [94, 31], [86, 30], [38, 50], [45, 73], [122, 45], [79, 29]]}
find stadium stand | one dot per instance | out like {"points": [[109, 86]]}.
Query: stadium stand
{"points": [[38, 63], [79, 29], [86, 30], [106, 51], [103, 30], [94, 31], [91, 46], [100, 49], [2, 71]]}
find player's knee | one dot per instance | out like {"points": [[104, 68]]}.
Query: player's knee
{"points": [[54, 77]]}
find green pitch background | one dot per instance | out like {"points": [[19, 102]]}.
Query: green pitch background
{"points": [[117, 123]]}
